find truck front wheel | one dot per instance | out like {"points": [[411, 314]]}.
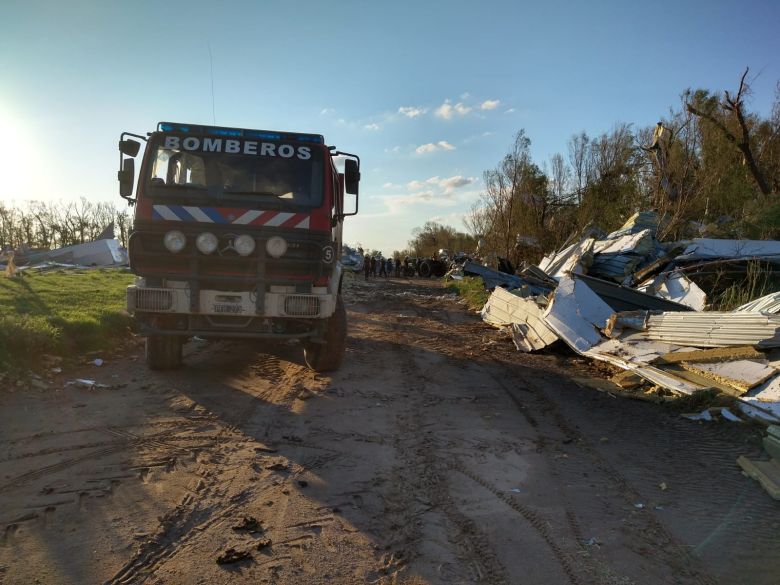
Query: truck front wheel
{"points": [[163, 352], [327, 357]]}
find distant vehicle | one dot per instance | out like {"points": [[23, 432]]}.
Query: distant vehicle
{"points": [[432, 267], [237, 233]]}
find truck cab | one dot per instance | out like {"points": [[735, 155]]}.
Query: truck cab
{"points": [[237, 234]]}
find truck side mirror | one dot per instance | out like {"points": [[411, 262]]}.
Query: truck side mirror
{"points": [[129, 147], [351, 176], [126, 178]]}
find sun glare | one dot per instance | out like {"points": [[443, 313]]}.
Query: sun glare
{"points": [[16, 161]]}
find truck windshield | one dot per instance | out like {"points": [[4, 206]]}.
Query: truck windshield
{"points": [[236, 170]]}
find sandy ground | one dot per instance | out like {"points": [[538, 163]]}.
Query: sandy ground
{"points": [[437, 454]]}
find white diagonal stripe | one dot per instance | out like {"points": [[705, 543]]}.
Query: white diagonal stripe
{"points": [[249, 216], [278, 219], [304, 224], [166, 213], [198, 214]]}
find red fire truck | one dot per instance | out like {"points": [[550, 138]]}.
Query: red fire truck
{"points": [[237, 234]]}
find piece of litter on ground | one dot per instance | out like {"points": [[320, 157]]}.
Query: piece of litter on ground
{"points": [[703, 415], [56, 370], [591, 542], [516, 490], [663, 486], [86, 383], [639, 505], [728, 415], [97, 362]]}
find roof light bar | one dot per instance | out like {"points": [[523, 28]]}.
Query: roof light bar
{"points": [[238, 132]]}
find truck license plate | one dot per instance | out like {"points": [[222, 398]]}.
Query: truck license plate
{"points": [[229, 308]]}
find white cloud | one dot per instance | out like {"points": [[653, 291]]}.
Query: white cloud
{"points": [[411, 111], [489, 104], [389, 186], [465, 95], [434, 147], [452, 183], [397, 203], [393, 150], [372, 127], [510, 111], [327, 111], [447, 111], [454, 219], [446, 185]]}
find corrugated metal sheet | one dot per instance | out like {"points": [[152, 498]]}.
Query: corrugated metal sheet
{"points": [[575, 258], [715, 329], [642, 220], [767, 304], [523, 315], [711, 249], [623, 298], [576, 314], [615, 266]]}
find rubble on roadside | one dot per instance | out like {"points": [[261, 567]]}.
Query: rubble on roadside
{"points": [[101, 253], [641, 305]]}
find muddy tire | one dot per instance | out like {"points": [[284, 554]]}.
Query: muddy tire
{"points": [[163, 352], [327, 357], [425, 269]]}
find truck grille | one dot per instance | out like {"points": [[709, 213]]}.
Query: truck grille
{"points": [[301, 306], [151, 299]]}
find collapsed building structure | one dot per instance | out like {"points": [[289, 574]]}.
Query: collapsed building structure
{"points": [[627, 299]]}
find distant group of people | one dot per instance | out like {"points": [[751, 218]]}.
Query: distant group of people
{"points": [[378, 266]]}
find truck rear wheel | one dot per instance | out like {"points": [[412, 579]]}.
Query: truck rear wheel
{"points": [[327, 357], [425, 269], [163, 352]]}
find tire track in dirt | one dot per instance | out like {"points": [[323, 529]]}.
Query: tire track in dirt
{"points": [[131, 441], [422, 457], [663, 540], [193, 515]]}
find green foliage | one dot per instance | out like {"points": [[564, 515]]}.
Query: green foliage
{"points": [[471, 288], [60, 312], [432, 237], [697, 174]]}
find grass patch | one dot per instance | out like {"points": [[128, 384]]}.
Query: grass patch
{"points": [[60, 312], [471, 288]]}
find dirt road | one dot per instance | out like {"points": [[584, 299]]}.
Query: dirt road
{"points": [[437, 454]]}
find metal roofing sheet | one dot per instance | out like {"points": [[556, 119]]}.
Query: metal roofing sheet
{"points": [[623, 298]]}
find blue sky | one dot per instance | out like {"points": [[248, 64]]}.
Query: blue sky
{"points": [[73, 75]]}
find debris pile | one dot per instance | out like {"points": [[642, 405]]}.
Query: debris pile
{"points": [[629, 300], [107, 252]]}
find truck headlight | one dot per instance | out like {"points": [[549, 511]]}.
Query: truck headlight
{"points": [[244, 244], [206, 242], [276, 247], [174, 241]]}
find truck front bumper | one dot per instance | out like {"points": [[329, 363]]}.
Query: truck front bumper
{"points": [[285, 313]]}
